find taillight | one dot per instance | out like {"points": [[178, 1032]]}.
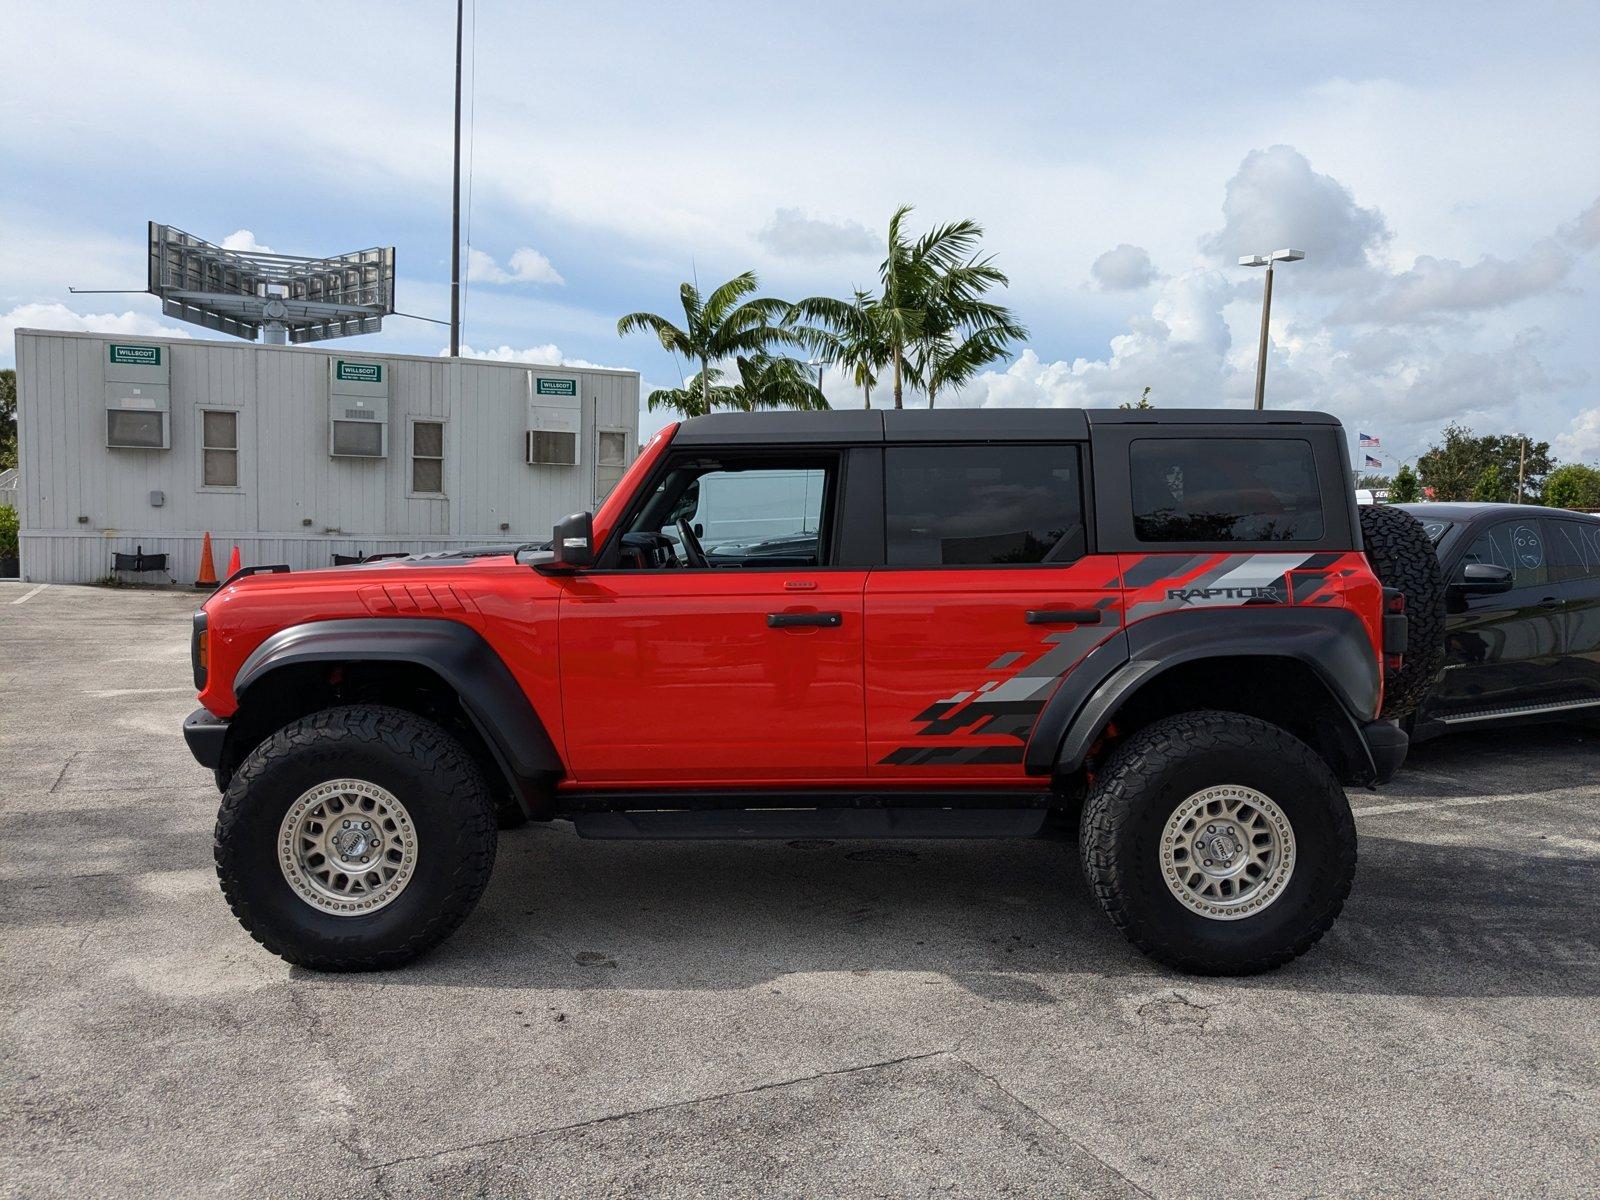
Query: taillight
{"points": [[1396, 628], [200, 650]]}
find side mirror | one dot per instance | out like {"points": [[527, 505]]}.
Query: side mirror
{"points": [[573, 543], [1483, 579]]}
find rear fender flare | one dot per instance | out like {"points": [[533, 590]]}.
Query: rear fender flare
{"points": [[1333, 643], [489, 694]]}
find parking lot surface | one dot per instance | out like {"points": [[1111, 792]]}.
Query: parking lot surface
{"points": [[807, 1018]]}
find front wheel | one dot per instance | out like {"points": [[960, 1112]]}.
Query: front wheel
{"points": [[1218, 843], [355, 839]]}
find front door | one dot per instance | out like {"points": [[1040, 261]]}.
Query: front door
{"points": [[986, 601], [1503, 651], [719, 647]]}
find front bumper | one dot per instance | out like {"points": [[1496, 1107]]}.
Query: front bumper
{"points": [[1387, 743], [205, 734]]}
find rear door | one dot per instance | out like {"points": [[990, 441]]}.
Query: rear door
{"points": [[987, 598], [1503, 652], [1575, 561]]}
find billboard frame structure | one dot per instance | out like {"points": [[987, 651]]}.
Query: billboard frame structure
{"points": [[280, 298]]}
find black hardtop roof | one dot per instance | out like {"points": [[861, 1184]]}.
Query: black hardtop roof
{"points": [[961, 424]]}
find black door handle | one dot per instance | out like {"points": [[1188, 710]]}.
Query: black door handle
{"points": [[1552, 602], [1063, 616], [789, 620]]}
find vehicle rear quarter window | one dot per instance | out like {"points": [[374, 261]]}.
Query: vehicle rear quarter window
{"points": [[983, 505], [1225, 490], [1574, 550], [1516, 545]]}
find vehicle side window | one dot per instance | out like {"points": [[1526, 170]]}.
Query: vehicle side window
{"points": [[1517, 545], [1224, 490], [1574, 550], [739, 512], [983, 505]]}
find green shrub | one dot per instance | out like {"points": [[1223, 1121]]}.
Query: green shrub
{"points": [[8, 532]]}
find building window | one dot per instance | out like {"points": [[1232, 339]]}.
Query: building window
{"points": [[219, 441], [427, 457], [610, 460]]}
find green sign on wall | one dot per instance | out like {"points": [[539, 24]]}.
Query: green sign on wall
{"points": [[359, 372], [136, 356], [555, 387]]}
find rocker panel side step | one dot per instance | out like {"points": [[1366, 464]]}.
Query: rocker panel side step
{"points": [[781, 823]]}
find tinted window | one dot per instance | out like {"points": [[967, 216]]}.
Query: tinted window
{"points": [[1224, 490], [1574, 550], [1435, 530], [1518, 545], [982, 505]]}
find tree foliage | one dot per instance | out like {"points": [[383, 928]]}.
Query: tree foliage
{"points": [[1573, 486], [1459, 466], [760, 381], [8, 419], [848, 334], [1143, 402], [1405, 489]]}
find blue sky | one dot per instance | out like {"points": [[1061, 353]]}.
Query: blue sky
{"points": [[1437, 162]]}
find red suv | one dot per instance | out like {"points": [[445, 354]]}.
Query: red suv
{"points": [[1167, 629]]}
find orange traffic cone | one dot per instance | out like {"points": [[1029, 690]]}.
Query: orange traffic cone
{"points": [[208, 570], [233, 564]]}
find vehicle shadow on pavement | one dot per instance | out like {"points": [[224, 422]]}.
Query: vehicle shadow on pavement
{"points": [[1008, 921]]}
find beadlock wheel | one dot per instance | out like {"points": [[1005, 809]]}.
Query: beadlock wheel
{"points": [[347, 847], [1227, 852]]}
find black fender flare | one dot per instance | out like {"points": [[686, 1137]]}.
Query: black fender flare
{"points": [[490, 696], [1332, 642]]}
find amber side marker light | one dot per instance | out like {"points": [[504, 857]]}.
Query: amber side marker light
{"points": [[200, 651]]}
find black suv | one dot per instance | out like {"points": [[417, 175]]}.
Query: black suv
{"points": [[1522, 630]]}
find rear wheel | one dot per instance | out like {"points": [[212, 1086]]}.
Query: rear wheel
{"points": [[1218, 843], [355, 838], [1402, 557]]}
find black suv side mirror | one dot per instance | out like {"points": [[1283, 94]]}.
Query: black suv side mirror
{"points": [[1483, 579], [573, 543]]}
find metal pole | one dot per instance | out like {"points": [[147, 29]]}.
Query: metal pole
{"points": [[455, 209], [1522, 464], [1261, 357]]}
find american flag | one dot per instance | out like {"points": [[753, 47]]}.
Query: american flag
{"points": [[1374, 462], [1367, 440]]}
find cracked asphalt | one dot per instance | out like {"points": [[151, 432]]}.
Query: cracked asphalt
{"points": [[801, 1019]]}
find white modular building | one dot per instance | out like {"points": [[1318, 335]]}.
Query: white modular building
{"points": [[142, 446]]}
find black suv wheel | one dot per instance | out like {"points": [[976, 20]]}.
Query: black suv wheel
{"points": [[355, 839], [1219, 844]]}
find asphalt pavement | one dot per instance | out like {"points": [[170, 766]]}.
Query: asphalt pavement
{"points": [[784, 1019]]}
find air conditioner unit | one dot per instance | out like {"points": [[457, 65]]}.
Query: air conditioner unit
{"points": [[555, 420], [358, 409], [138, 396]]}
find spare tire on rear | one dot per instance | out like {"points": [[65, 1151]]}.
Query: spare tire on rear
{"points": [[1402, 557]]}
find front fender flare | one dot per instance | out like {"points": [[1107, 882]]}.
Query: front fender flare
{"points": [[489, 694]]}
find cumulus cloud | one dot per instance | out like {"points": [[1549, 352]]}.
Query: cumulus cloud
{"points": [[59, 316], [1436, 288], [1584, 233], [1581, 441], [245, 241], [793, 234], [547, 355], [1276, 199], [526, 265], [1124, 269]]}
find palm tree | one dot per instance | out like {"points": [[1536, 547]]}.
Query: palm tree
{"points": [[720, 326], [764, 381], [950, 364], [845, 333], [933, 306], [769, 382]]}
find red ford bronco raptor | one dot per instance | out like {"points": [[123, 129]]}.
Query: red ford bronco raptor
{"points": [[1173, 632]]}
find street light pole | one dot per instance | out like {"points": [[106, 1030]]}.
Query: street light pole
{"points": [[1266, 260], [455, 210]]}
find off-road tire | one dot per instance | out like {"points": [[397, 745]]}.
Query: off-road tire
{"points": [[443, 792], [1150, 775], [1402, 557]]}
